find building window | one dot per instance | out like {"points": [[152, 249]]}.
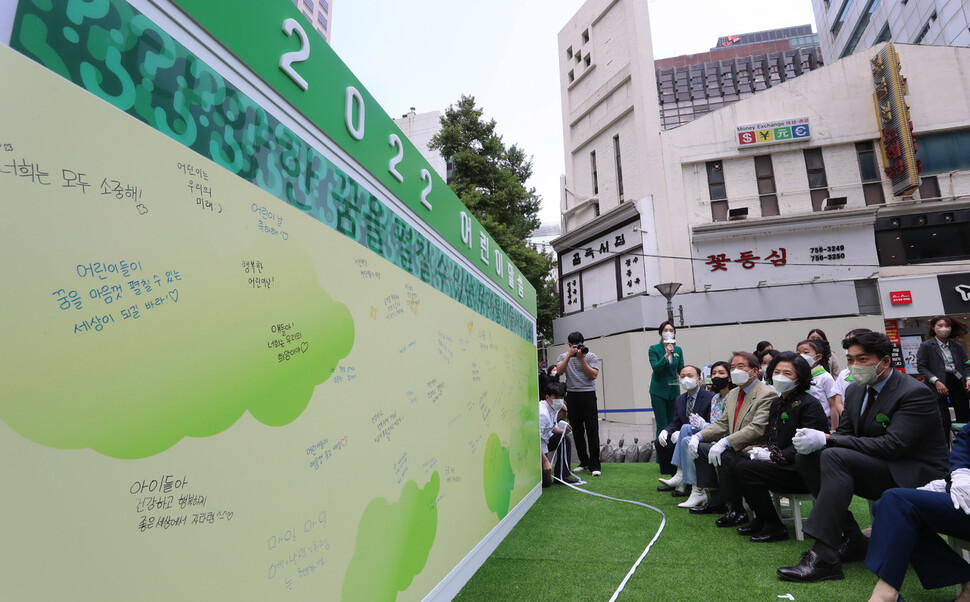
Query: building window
{"points": [[586, 60], [569, 53], [586, 36], [718, 192], [817, 182], [923, 237], [767, 193], [325, 6], [926, 28], [308, 4], [840, 18], [619, 167], [592, 167], [572, 77], [944, 151], [860, 27], [869, 173], [885, 35], [929, 188], [322, 20]]}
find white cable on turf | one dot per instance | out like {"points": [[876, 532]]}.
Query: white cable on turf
{"points": [[663, 517]]}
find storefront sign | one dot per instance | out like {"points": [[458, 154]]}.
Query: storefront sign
{"points": [[789, 130], [892, 331], [955, 292], [892, 111], [900, 297], [608, 246]]}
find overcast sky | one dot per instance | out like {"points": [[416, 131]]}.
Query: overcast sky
{"points": [[426, 53]]}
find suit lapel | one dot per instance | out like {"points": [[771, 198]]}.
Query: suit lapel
{"points": [[883, 400]]}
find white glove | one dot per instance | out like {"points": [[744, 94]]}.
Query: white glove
{"points": [[662, 439], [562, 425], [697, 422], [960, 489], [937, 486], [760, 453], [714, 456], [674, 437], [692, 446], [808, 441]]}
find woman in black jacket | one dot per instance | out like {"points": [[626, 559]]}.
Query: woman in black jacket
{"points": [[772, 467], [942, 362]]}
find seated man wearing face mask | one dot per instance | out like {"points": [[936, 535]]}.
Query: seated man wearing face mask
{"points": [[695, 400], [552, 434], [730, 437], [889, 436]]}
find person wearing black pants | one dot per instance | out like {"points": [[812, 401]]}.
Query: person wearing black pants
{"points": [[942, 362], [581, 367], [772, 467], [888, 436]]}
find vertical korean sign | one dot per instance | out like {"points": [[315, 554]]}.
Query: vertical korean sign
{"points": [[896, 129], [253, 347]]}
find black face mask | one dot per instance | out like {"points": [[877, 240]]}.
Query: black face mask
{"points": [[720, 382]]}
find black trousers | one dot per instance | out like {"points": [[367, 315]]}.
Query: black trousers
{"points": [[664, 457], [838, 474], [958, 399], [561, 466], [722, 477], [585, 423], [757, 479]]}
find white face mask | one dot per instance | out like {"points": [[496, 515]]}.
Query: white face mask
{"points": [[782, 383], [866, 375], [688, 383], [943, 332], [557, 404], [808, 357], [740, 377], [668, 336]]}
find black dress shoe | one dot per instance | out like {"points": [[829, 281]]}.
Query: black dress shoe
{"points": [[678, 493], [770, 534], [666, 488], [811, 569], [732, 519], [853, 548], [753, 529], [709, 509], [571, 480]]}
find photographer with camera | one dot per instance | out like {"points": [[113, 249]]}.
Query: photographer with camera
{"points": [[581, 368]]}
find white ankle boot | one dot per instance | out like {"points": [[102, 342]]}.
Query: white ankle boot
{"points": [[697, 498], [674, 480]]}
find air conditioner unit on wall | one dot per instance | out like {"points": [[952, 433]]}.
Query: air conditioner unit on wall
{"points": [[736, 214], [837, 202]]}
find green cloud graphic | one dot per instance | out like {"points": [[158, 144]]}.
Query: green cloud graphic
{"points": [[498, 478], [191, 366], [393, 543]]}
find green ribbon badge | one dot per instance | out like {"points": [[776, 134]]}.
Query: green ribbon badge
{"points": [[883, 420], [784, 417]]}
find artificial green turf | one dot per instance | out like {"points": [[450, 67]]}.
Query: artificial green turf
{"points": [[572, 546]]}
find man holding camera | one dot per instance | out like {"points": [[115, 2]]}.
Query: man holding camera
{"points": [[581, 368]]}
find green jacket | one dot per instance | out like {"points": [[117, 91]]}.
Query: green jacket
{"points": [[664, 382]]}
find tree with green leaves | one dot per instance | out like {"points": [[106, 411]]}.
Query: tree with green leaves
{"points": [[490, 179]]}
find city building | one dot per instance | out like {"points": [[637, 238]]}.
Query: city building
{"points": [[420, 128], [847, 26], [320, 13], [798, 207], [737, 67]]}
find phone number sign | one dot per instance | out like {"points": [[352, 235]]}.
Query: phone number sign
{"points": [[788, 130]]}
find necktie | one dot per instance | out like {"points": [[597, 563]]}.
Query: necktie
{"points": [[690, 405], [737, 410], [866, 406]]}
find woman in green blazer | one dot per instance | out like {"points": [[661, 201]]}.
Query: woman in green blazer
{"points": [[667, 360]]}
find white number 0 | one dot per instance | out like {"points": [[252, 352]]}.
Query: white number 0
{"points": [[297, 56]]}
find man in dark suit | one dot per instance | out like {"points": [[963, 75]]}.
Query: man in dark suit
{"points": [[695, 400], [907, 526], [889, 436]]}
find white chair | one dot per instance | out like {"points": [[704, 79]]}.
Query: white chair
{"points": [[961, 546], [795, 505]]}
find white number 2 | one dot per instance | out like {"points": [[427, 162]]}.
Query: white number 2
{"points": [[297, 56], [395, 142], [426, 177]]}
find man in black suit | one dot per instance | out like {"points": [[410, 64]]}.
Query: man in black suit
{"points": [[889, 436], [696, 399]]}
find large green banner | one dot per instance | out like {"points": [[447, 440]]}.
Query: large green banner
{"points": [[234, 367]]}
